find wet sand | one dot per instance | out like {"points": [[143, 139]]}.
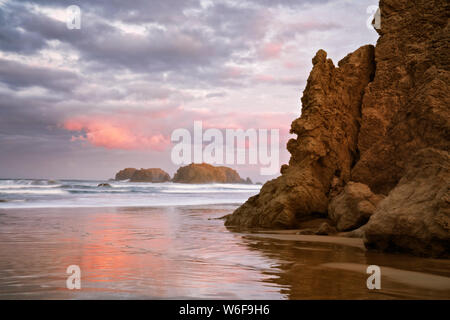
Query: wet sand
{"points": [[186, 252], [280, 235]]}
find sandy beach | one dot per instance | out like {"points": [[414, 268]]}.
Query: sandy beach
{"points": [[186, 252]]}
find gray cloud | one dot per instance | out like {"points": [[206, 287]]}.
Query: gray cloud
{"points": [[192, 56], [18, 76]]}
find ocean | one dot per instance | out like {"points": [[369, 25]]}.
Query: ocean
{"points": [[29, 193], [167, 241]]}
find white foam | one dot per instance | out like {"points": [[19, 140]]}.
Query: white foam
{"points": [[27, 186], [30, 191], [82, 193], [191, 191]]}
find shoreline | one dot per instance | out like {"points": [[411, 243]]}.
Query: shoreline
{"points": [[351, 242], [123, 243]]}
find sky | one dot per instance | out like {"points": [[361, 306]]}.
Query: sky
{"points": [[85, 103]]}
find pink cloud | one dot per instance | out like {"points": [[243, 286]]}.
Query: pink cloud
{"points": [[233, 72], [271, 50], [267, 78], [113, 133], [143, 130]]}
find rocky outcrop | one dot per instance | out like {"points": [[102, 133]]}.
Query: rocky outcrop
{"points": [[353, 207], [326, 147], [125, 174], [143, 175], [372, 121], [206, 173], [415, 217], [406, 107]]}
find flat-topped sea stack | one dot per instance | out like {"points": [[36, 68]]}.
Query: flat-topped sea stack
{"points": [[143, 175], [371, 155], [206, 173]]}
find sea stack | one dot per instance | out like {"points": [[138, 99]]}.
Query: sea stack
{"points": [[206, 173], [373, 140], [143, 175]]}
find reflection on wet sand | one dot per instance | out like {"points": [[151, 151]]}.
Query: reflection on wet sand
{"points": [[326, 270], [185, 252]]}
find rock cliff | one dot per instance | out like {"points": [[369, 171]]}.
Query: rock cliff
{"points": [[373, 140], [206, 173], [325, 149], [143, 175]]}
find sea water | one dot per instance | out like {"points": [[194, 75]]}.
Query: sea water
{"points": [[166, 241]]}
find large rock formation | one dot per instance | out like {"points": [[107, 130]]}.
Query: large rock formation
{"points": [[389, 131], [326, 147], [125, 174], [143, 175], [406, 107], [206, 173]]}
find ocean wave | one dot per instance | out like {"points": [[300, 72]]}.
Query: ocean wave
{"points": [[87, 193], [122, 203], [198, 191], [29, 182], [30, 191], [28, 186]]}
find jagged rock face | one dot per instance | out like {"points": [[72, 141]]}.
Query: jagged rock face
{"points": [[143, 175], [325, 149], [405, 132], [206, 173], [415, 217], [353, 207], [376, 132], [406, 107]]}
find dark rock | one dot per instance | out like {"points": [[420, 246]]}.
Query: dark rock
{"points": [[104, 185]]}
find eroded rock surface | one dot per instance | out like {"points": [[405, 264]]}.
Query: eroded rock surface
{"points": [[324, 150], [372, 121], [415, 216], [353, 207], [406, 106]]}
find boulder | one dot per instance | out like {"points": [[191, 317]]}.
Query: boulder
{"points": [[104, 185], [415, 216], [353, 207]]}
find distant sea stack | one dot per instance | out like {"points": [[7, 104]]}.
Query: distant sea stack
{"points": [[143, 175], [372, 149], [206, 173]]}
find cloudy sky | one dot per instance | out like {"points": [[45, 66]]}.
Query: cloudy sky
{"points": [[86, 103]]}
